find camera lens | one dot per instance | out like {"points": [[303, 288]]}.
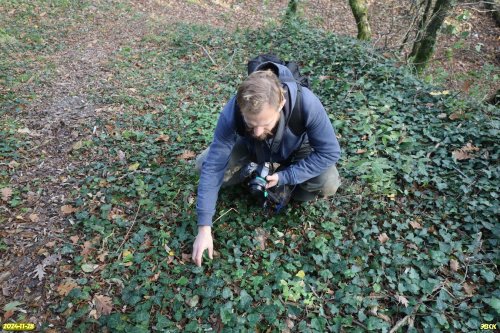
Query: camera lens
{"points": [[257, 186]]}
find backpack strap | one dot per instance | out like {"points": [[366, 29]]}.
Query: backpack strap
{"points": [[239, 122], [295, 121]]}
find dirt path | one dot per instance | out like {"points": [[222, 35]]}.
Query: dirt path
{"points": [[56, 123]]}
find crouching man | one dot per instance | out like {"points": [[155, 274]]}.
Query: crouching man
{"points": [[272, 119]]}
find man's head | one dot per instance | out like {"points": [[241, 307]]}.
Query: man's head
{"points": [[261, 98]]}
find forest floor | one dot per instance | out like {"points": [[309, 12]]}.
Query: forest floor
{"points": [[57, 106]]}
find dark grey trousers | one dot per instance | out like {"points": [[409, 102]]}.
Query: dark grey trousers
{"points": [[326, 184]]}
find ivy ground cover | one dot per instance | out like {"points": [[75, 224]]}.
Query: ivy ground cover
{"points": [[410, 240]]}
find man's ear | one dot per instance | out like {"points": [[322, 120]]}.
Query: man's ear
{"points": [[282, 105]]}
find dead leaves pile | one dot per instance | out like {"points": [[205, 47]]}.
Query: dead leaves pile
{"points": [[465, 152], [51, 260]]}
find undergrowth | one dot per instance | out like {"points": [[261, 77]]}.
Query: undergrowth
{"points": [[412, 232]]}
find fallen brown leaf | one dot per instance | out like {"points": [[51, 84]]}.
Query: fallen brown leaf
{"points": [[65, 287], [74, 239], [463, 153], [360, 151], [121, 156], [154, 277], [68, 209], [42, 251], [456, 115], [469, 147], [51, 260], [24, 130], [6, 193], [103, 305], [460, 155], [102, 256], [454, 265], [415, 225], [163, 138], [412, 246], [115, 213], [469, 289], [147, 243], [77, 145], [403, 300], [383, 238], [187, 154], [34, 218], [109, 128], [261, 237], [466, 85], [186, 257], [39, 272], [66, 268], [8, 314], [87, 248]]}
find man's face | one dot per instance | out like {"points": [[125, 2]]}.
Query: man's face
{"points": [[260, 126]]}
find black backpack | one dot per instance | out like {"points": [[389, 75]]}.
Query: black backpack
{"points": [[294, 122]]}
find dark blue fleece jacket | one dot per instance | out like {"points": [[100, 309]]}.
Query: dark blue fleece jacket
{"points": [[318, 130]]}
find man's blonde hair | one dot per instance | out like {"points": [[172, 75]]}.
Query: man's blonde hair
{"points": [[258, 89]]}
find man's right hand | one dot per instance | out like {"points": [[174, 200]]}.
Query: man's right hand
{"points": [[203, 242]]}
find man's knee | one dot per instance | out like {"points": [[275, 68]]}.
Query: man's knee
{"points": [[239, 157], [326, 184], [332, 182]]}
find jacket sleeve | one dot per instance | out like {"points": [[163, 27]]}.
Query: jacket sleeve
{"points": [[212, 171], [326, 149]]}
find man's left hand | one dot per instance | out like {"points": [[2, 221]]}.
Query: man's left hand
{"points": [[272, 180]]}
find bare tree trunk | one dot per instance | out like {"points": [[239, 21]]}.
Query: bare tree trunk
{"points": [[421, 27], [292, 8], [494, 6], [360, 11], [418, 6], [495, 98], [425, 49]]}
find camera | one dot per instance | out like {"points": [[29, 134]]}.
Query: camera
{"points": [[257, 174], [255, 177]]}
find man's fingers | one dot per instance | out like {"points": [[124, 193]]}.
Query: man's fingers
{"points": [[199, 256], [211, 252]]}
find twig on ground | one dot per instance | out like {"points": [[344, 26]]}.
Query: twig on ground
{"points": [[206, 53], [133, 172], [460, 172], [314, 291], [129, 229], [230, 61], [40, 145], [230, 209], [403, 321], [359, 324]]}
